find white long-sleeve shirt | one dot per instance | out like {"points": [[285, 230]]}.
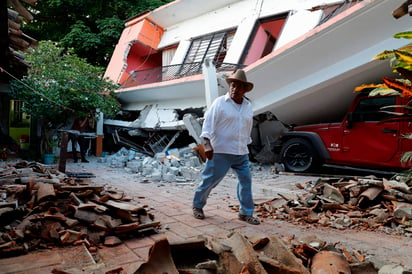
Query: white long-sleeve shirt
{"points": [[228, 125]]}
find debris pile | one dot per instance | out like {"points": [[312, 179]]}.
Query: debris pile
{"points": [[238, 253], [41, 207], [357, 203], [181, 164]]}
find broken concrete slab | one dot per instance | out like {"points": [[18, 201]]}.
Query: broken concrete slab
{"points": [[172, 165], [160, 259], [244, 253], [333, 193], [282, 258]]}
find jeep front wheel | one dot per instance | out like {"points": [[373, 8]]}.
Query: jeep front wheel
{"points": [[298, 155]]}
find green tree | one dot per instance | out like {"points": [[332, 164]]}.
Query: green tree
{"points": [[91, 28], [59, 85]]}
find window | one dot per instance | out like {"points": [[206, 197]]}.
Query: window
{"points": [[264, 38], [213, 46], [369, 109]]}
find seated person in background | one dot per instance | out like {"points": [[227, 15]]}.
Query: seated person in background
{"points": [[79, 124]]}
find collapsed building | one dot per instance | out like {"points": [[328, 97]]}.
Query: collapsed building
{"points": [[145, 136], [172, 61]]}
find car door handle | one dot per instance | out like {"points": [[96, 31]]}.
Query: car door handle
{"points": [[387, 130]]}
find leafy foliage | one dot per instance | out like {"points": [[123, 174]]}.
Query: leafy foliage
{"points": [[91, 28], [401, 62], [60, 84], [405, 34], [401, 85]]}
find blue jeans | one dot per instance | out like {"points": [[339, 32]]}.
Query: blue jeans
{"points": [[214, 172]]}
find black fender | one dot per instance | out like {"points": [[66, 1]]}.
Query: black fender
{"points": [[310, 136]]}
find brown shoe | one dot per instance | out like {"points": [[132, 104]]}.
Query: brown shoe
{"points": [[249, 219], [198, 213]]}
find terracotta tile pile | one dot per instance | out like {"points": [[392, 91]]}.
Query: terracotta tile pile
{"points": [[41, 207], [238, 253], [341, 203]]}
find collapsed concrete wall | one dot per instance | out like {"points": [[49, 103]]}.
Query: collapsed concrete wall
{"points": [[181, 164], [266, 130]]}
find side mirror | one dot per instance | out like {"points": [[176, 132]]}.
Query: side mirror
{"points": [[349, 120]]}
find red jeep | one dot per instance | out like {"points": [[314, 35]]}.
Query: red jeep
{"points": [[364, 139]]}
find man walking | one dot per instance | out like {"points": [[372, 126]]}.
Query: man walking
{"points": [[226, 134]]}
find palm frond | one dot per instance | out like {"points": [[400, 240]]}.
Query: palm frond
{"points": [[383, 91], [406, 157], [397, 106], [403, 56], [402, 85], [387, 54], [368, 86], [395, 119], [407, 136], [384, 55], [392, 113], [404, 34]]}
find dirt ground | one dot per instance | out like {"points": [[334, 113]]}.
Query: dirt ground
{"points": [[379, 247]]}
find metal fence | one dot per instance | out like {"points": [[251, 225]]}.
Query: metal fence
{"points": [[166, 73]]}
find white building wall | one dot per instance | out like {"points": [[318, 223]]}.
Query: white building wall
{"points": [[242, 15], [242, 34], [222, 19], [298, 23], [189, 102]]}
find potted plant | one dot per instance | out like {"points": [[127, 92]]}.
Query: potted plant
{"points": [[60, 85]]}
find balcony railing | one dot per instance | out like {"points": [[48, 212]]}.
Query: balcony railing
{"points": [[166, 73]]}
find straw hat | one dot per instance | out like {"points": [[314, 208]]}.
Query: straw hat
{"points": [[240, 76]]}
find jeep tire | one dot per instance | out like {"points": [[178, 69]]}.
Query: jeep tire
{"points": [[298, 155]]}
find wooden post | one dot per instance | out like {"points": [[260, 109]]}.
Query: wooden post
{"points": [[99, 145], [99, 133], [63, 151]]}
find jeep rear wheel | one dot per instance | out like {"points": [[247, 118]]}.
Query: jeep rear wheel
{"points": [[298, 155]]}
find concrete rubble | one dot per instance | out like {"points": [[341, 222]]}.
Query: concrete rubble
{"points": [[41, 207], [183, 164], [265, 132]]}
